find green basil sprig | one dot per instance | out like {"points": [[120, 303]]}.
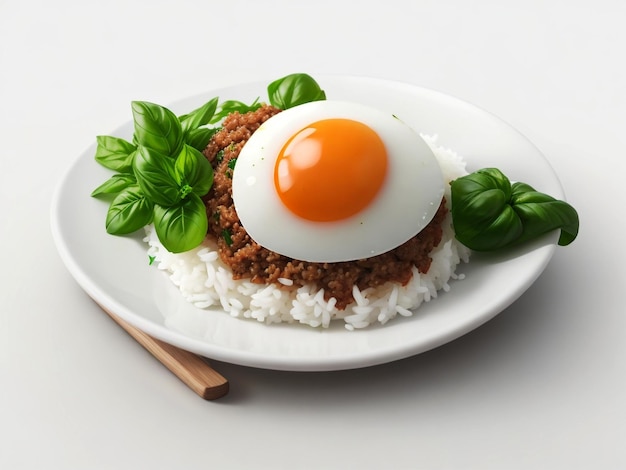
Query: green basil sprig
{"points": [[293, 90], [489, 213], [231, 106], [161, 176]]}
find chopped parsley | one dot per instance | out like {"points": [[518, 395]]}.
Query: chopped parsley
{"points": [[227, 237], [231, 167], [220, 156]]}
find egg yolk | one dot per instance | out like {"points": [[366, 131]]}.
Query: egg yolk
{"points": [[330, 170]]}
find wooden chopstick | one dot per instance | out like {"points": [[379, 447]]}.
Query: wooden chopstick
{"points": [[192, 369]]}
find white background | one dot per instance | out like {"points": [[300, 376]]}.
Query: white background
{"points": [[540, 386]]}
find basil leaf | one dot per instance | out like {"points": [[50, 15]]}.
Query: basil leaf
{"points": [[114, 153], [293, 90], [129, 211], [492, 224], [183, 226], [115, 184], [156, 176], [194, 171], [198, 117], [199, 138], [489, 213], [157, 128], [541, 214], [231, 106]]}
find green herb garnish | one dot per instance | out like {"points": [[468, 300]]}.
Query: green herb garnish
{"points": [[490, 213], [161, 176], [219, 156], [231, 166], [293, 90], [231, 106], [227, 237]]}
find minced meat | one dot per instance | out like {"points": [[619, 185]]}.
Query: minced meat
{"points": [[249, 260]]}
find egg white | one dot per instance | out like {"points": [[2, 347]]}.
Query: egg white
{"points": [[405, 204]]}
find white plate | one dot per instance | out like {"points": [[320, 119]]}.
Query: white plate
{"points": [[115, 271]]}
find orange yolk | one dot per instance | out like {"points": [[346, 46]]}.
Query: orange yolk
{"points": [[330, 170]]}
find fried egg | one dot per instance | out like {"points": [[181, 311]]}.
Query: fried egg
{"points": [[332, 181]]}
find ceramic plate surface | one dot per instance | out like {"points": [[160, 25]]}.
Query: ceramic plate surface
{"points": [[115, 272]]}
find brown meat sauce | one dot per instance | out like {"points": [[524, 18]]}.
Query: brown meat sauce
{"points": [[248, 259]]}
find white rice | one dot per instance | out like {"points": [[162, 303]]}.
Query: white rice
{"points": [[207, 283]]}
